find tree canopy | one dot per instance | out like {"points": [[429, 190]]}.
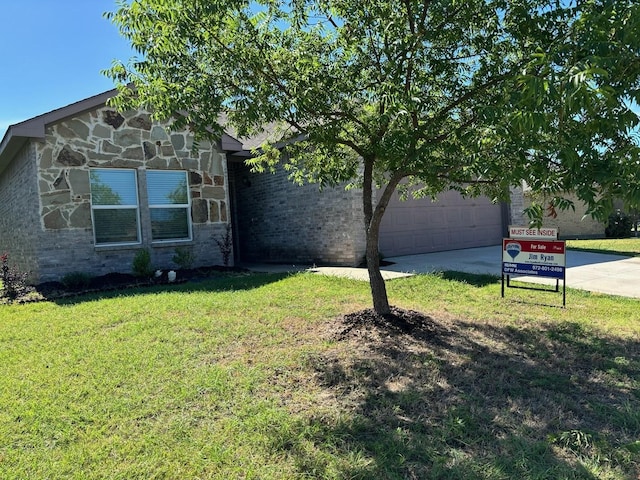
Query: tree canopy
{"points": [[424, 95]]}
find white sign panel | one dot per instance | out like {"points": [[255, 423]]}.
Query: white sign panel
{"points": [[526, 233], [533, 257]]}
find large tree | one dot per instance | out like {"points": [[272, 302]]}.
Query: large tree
{"points": [[417, 95]]}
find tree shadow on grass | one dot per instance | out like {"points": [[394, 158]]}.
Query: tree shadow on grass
{"points": [[216, 282], [465, 401], [475, 279]]}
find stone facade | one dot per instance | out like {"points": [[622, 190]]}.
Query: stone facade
{"points": [[279, 221], [46, 199]]}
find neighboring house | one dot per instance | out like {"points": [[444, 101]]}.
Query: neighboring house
{"points": [[571, 223], [83, 188]]}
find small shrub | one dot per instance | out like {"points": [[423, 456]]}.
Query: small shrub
{"points": [[225, 244], [76, 280], [14, 282], [183, 258], [142, 264], [619, 225]]}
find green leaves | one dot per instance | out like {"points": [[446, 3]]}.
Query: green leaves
{"points": [[450, 93]]}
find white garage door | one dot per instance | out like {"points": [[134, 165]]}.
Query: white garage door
{"points": [[453, 222]]}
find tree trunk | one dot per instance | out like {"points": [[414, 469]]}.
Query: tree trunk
{"points": [[376, 282], [373, 217]]}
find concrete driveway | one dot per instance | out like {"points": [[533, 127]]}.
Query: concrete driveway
{"points": [[611, 274]]}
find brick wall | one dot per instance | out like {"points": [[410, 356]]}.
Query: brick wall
{"points": [[19, 211], [66, 251], [278, 221], [516, 207]]}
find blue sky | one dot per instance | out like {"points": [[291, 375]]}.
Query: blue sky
{"points": [[52, 55]]}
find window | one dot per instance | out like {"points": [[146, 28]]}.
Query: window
{"points": [[169, 205], [116, 211], [114, 206]]}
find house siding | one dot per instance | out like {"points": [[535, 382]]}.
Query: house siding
{"points": [[19, 211], [280, 221], [53, 231]]}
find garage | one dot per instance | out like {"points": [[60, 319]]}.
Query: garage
{"points": [[453, 222]]}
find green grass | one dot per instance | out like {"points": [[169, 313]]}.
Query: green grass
{"points": [[242, 378], [617, 246]]}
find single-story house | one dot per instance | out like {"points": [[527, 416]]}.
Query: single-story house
{"points": [[83, 188]]}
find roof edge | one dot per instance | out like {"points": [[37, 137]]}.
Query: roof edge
{"points": [[17, 134]]}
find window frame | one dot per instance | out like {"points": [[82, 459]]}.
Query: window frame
{"points": [[135, 207], [183, 206]]}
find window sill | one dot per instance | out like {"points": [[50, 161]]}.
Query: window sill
{"points": [[171, 243], [137, 246], [116, 247]]}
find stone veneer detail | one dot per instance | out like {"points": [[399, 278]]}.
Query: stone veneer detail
{"points": [[104, 138], [45, 199]]}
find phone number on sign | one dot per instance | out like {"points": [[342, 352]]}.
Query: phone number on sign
{"points": [[546, 268]]}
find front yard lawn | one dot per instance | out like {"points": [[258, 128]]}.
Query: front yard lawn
{"points": [[258, 377], [617, 246]]}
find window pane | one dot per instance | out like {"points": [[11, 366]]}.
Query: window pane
{"points": [[167, 188], [169, 223], [116, 226], [113, 187]]}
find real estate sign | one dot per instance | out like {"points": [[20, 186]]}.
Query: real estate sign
{"points": [[544, 258]]}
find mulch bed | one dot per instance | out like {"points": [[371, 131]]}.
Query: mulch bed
{"points": [[119, 281]]}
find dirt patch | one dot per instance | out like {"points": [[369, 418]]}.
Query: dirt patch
{"points": [[365, 323]]}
